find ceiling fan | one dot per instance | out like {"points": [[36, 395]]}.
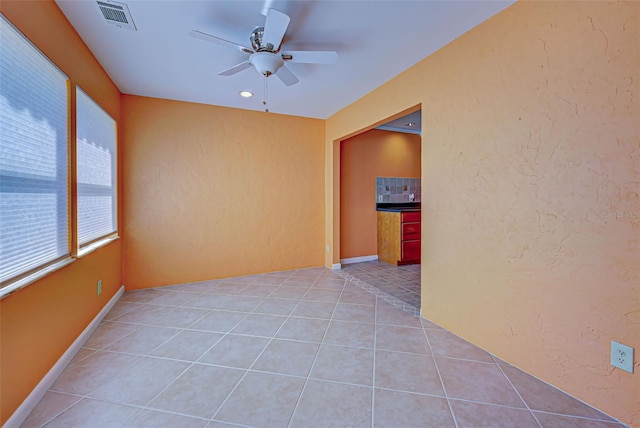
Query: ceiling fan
{"points": [[265, 54]]}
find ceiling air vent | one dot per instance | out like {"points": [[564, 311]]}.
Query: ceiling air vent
{"points": [[117, 14]]}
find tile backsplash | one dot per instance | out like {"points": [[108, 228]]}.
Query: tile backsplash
{"points": [[398, 189]]}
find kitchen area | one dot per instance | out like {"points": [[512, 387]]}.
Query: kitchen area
{"points": [[380, 211]]}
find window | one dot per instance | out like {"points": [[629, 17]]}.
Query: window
{"points": [[34, 200], [96, 170]]}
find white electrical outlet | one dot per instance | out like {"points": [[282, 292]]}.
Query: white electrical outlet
{"points": [[622, 356]]}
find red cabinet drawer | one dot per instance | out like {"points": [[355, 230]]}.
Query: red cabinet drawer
{"points": [[410, 250], [413, 216], [410, 231]]}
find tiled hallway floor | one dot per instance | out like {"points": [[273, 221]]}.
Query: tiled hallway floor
{"points": [[401, 282], [303, 348]]}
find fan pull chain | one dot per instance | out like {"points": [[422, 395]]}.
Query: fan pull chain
{"points": [[264, 101]]}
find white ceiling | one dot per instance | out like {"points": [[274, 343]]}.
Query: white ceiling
{"points": [[375, 40]]}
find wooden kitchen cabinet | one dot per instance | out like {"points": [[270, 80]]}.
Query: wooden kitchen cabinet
{"points": [[399, 237]]}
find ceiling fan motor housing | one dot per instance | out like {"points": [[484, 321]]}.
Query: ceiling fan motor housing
{"points": [[267, 63], [265, 59], [256, 41]]}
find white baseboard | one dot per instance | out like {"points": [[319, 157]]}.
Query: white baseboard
{"points": [[336, 266], [21, 413], [359, 259]]}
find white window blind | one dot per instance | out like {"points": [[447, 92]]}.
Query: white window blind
{"points": [[34, 208], [96, 170]]}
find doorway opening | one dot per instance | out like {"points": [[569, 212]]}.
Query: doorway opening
{"points": [[388, 155]]}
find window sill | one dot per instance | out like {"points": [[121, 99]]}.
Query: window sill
{"points": [[41, 273], [29, 279], [88, 249]]}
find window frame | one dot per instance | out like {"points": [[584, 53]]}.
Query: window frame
{"points": [[82, 249], [29, 276]]}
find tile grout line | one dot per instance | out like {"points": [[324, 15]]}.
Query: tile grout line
{"points": [[402, 273], [189, 366], [86, 395], [142, 408], [373, 375], [394, 301], [551, 413], [146, 406], [148, 355], [613, 422], [80, 398], [247, 370], [444, 389], [315, 359], [517, 392], [390, 298], [140, 327], [265, 347]]}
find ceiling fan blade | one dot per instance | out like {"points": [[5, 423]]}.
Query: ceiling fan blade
{"points": [[311, 57], [235, 69], [274, 28], [217, 40], [287, 77]]}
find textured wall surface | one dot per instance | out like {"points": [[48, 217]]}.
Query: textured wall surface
{"points": [[531, 184], [39, 322], [372, 154], [212, 192]]}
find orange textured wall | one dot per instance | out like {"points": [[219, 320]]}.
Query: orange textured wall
{"points": [[364, 157], [39, 322], [213, 192], [531, 163]]}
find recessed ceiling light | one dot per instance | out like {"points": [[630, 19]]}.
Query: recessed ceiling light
{"points": [[246, 94], [410, 124]]}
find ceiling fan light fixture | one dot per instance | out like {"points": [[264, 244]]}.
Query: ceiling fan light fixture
{"points": [[266, 63], [246, 94]]}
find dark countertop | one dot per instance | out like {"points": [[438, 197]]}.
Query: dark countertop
{"points": [[398, 206]]}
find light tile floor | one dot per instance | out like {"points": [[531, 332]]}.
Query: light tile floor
{"points": [[303, 348], [399, 282]]}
